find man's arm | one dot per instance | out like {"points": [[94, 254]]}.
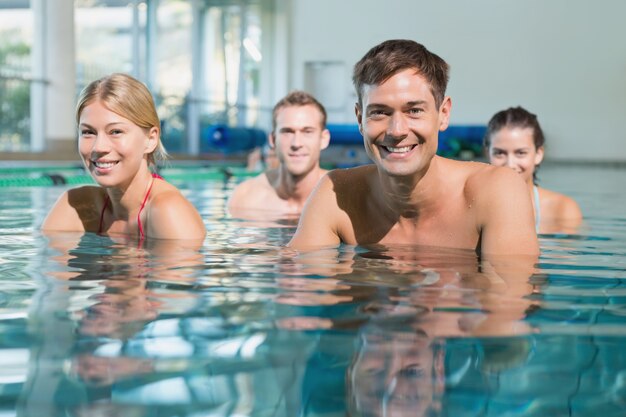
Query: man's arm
{"points": [[317, 227], [505, 214]]}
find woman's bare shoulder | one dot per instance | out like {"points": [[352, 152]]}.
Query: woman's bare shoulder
{"points": [[559, 205], [173, 216], [77, 209]]}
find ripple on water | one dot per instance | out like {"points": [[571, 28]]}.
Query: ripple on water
{"points": [[245, 326]]}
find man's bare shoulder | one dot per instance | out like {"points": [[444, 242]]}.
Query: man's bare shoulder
{"points": [[337, 199], [495, 190], [351, 177], [254, 182], [483, 178], [340, 182], [251, 192], [472, 177], [348, 190]]}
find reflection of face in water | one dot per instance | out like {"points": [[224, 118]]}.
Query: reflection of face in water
{"points": [[90, 321], [124, 305], [102, 371], [122, 310], [395, 373]]}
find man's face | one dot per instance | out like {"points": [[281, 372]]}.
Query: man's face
{"points": [[394, 374], [299, 138], [400, 123]]}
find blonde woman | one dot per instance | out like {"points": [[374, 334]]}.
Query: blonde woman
{"points": [[119, 142]]}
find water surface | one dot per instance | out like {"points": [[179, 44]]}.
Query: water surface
{"points": [[91, 325]]}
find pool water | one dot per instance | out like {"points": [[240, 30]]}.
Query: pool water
{"points": [[94, 326]]}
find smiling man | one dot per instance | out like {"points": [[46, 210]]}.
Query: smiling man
{"points": [[410, 195], [298, 135]]}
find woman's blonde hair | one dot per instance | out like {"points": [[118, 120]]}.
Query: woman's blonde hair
{"points": [[131, 99]]}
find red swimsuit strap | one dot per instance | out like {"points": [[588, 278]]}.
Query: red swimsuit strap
{"points": [[143, 204], [106, 203]]}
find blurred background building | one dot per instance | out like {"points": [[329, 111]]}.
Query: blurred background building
{"points": [[225, 63], [201, 59]]}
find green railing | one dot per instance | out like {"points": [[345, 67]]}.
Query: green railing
{"points": [[74, 175]]}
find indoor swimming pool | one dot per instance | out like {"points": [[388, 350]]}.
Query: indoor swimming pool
{"points": [[94, 326]]}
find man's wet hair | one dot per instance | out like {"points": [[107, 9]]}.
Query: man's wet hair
{"points": [[298, 98], [390, 57]]}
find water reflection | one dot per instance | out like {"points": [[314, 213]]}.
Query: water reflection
{"points": [[405, 369], [242, 326], [97, 301], [392, 313], [398, 370]]}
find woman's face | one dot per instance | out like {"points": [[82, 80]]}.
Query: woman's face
{"points": [[514, 147], [112, 147]]}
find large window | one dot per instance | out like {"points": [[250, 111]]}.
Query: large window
{"points": [[228, 57], [200, 58], [104, 38], [233, 44], [15, 45], [171, 64], [157, 41]]}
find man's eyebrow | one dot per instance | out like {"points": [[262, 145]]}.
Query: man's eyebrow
{"points": [[407, 104], [524, 148], [291, 129], [416, 103], [377, 106]]}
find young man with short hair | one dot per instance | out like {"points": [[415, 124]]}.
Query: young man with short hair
{"points": [[410, 195], [298, 136]]}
